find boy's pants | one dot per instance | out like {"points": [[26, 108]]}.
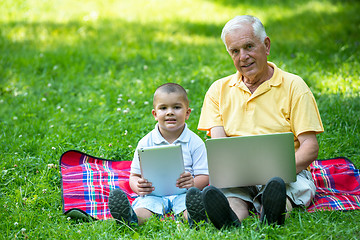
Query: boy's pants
{"points": [[161, 205]]}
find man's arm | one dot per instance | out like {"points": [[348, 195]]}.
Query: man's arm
{"points": [[217, 132], [307, 152]]}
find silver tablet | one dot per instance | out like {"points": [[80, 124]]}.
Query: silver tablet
{"points": [[162, 166]]}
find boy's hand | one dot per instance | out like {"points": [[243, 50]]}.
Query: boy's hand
{"points": [[144, 187], [186, 180]]}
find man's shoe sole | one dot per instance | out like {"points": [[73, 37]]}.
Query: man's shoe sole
{"points": [[218, 208], [273, 202]]}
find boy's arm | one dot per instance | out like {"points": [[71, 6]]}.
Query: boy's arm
{"points": [[139, 185], [201, 181]]}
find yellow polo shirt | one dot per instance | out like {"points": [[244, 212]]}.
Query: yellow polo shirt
{"points": [[284, 103]]}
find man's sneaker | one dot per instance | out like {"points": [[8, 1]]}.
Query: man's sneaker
{"points": [[273, 202], [120, 207], [218, 208], [195, 207]]}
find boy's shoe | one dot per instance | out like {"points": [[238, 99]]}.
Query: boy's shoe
{"points": [[218, 208], [273, 202], [195, 206], [120, 207]]}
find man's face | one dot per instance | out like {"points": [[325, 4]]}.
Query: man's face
{"points": [[248, 53]]}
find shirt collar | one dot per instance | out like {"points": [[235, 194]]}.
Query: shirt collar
{"points": [[159, 139]]}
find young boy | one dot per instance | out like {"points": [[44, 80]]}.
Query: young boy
{"points": [[171, 109]]}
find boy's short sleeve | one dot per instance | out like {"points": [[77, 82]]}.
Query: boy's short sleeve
{"points": [[135, 165], [199, 156]]}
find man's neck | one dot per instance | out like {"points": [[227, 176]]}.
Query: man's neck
{"points": [[253, 84]]}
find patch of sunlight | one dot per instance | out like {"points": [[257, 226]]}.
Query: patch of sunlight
{"points": [[339, 84], [165, 11], [180, 38], [18, 34], [43, 35], [313, 7], [345, 82], [140, 11]]}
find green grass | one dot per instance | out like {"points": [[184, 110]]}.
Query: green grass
{"points": [[80, 75]]}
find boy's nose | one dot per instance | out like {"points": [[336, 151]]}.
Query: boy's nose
{"points": [[170, 111]]}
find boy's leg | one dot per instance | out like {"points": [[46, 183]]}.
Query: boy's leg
{"points": [[146, 206], [143, 215], [120, 207]]}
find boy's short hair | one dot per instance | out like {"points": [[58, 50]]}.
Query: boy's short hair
{"points": [[172, 88]]}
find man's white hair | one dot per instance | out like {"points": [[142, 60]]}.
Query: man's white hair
{"points": [[238, 22]]}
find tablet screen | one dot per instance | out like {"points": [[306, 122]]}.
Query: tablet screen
{"points": [[162, 166]]}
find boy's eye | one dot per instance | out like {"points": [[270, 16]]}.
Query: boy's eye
{"points": [[162, 108], [177, 107]]}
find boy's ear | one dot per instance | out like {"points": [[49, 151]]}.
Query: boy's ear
{"points": [[154, 114], [188, 111]]}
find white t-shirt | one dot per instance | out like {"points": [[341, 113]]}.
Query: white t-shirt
{"points": [[193, 149]]}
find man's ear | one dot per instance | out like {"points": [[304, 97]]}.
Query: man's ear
{"points": [[154, 114], [267, 43], [188, 111]]}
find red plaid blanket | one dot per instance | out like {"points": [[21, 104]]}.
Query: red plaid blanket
{"points": [[87, 182], [337, 185]]}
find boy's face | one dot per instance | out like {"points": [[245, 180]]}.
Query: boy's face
{"points": [[170, 111]]}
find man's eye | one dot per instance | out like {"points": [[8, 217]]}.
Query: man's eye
{"points": [[249, 46], [235, 51]]}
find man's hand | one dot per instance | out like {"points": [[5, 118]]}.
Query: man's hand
{"points": [[185, 180], [144, 187]]}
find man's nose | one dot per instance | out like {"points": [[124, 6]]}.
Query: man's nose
{"points": [[243, 55]]}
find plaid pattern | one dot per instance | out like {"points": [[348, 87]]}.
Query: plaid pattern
{"points": [[337, 185], [87, 182]]}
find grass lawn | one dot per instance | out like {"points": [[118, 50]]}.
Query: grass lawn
{"points": [[80, 75]]}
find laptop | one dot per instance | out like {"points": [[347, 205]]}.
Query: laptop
{"points": [[251, 160], [162, 166]]}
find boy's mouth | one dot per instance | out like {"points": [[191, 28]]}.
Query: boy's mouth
{"points": [[170, 120]]}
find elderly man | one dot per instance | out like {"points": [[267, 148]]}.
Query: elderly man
{"points": [[259, 98]]}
